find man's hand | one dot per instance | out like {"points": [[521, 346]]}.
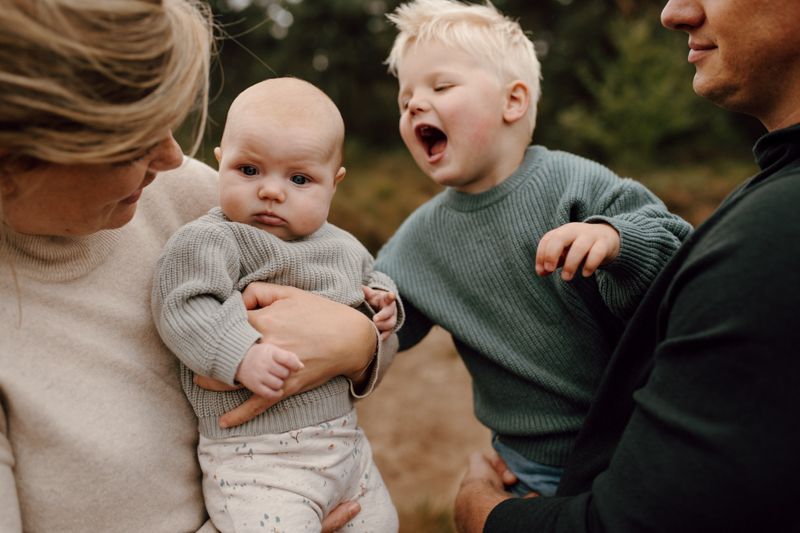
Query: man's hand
{"points": [[576, 243], [482, 488], [385, 303]]}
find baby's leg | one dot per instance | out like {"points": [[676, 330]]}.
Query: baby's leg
{"points": [[247, 490], [289, 481], [378, 514]]}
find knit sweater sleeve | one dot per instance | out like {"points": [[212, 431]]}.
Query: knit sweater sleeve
{"points": [[10, 518], [197, 309], [649, 236]]}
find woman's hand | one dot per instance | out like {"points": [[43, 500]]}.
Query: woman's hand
{"points": [[331, 339]]}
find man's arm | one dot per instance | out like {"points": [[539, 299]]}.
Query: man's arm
{"points": [[711, 444]]}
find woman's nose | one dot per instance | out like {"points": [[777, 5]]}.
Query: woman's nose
{"points": [[167, 154]]}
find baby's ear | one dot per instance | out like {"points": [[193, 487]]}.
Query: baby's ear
{"points": [[518, 99], [339, 176]]}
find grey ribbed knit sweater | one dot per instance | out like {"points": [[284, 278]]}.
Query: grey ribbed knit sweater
{"points": [[535, 347], [200, 315]]}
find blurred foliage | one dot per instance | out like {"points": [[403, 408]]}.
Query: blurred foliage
{"points": [[616, 86]]}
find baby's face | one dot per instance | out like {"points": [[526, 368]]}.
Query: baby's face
{"points": [[451, 109], [276, 177]]}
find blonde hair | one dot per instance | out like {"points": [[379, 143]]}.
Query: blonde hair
{"points": [[480, 30], [98, 81]]}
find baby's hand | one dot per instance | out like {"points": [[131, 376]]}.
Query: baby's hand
{"points": [[386, 305], [264, 369], [572, 244]]}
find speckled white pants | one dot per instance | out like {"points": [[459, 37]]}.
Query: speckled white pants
{"points": [[287, 482]]}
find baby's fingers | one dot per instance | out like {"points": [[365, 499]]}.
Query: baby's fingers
{"points": [[287, 359], [385, 313], [372, 296]]}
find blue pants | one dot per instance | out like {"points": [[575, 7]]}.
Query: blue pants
{"points": [[532, 476]]}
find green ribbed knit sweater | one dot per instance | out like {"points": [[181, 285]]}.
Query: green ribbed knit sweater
{"points": [[199, 313], [535, 347]]}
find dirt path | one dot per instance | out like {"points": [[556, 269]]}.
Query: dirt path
{"points": [[422, 430]]}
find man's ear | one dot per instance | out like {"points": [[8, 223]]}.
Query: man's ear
{"points": [[518, 100], [218, 154], [339, 176]]}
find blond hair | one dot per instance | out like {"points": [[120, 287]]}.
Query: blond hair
{"points": [[98, 81], [480, 30]]}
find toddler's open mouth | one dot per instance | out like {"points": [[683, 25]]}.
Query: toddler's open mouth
{"points": [[432, 138]]}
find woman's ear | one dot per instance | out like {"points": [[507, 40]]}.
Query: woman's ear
{"points": [[517, 102]]}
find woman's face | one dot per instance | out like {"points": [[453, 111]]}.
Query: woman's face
{"points": [[76, 200]]}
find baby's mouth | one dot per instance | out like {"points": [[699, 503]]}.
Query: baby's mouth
{"points": [[433, 139]]}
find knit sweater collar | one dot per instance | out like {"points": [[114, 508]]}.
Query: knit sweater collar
{"points": [[57, 259], [461, 201]]}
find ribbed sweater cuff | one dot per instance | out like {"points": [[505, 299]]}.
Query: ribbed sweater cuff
{"points": [[236, 338], [380, 363]]}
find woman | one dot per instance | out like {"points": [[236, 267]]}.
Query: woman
{"points": [[95, 434]]}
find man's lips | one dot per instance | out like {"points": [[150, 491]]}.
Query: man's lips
{"points": [[698, 51], [269, 219]]}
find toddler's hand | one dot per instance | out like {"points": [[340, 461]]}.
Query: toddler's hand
{"points": [[264, 369], [386, 304], [572, 244]]}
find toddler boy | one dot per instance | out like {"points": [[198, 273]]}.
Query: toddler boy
{"points": [[468, 259]]}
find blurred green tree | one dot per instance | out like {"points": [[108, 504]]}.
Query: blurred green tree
{"points": [[615, 84]]}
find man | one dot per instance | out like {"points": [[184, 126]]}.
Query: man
{"points": [[694, 427]]}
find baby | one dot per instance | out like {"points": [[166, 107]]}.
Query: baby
{"points": [[280, 160]]}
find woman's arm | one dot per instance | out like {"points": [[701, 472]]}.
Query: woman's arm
{"points": [[331, 339], [10, 519]]}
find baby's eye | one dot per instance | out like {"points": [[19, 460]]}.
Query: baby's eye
{"points": [[299, 179], [442, 87], [248, 170]]}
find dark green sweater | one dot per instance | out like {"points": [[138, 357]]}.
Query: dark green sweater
{"points": [[695, 425], [535, 347]]}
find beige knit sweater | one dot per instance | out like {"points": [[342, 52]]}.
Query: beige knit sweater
{"points": [[95, 431]]}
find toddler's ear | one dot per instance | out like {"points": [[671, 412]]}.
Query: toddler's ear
{"points": [[518, 98]]}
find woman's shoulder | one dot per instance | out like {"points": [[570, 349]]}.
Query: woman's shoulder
{"points": [[180, 195]]}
